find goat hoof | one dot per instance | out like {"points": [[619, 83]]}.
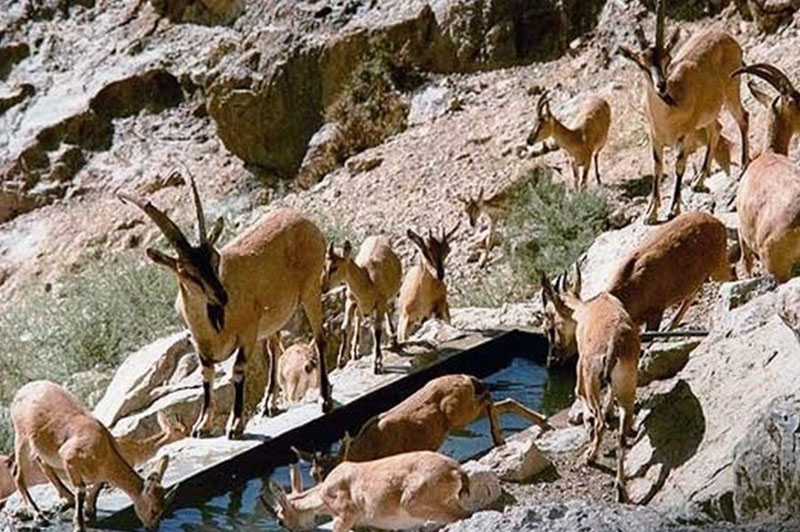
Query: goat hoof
{"points": [[651, 218], [199, 432], [327, 404], [378, 369]]}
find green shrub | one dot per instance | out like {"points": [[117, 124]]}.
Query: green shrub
{"points": [[90, 319], [549, 226], [371, 107]]}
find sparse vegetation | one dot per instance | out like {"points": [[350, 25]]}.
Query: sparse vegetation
{"points": [[371, 107], [88, 320], [6, 432], [549, 227]]}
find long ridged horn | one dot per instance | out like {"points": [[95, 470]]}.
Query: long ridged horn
{"points": [[771, 74], [168, 228], [198, 207]]}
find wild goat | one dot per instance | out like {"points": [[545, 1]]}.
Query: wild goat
{"points": [[608, 353], [583, 141], [52, 427], [393, 493], [372, 280], [135, 451], [722, 153], [495, 208], [423, 293], [250, 288], [422, 422], [669, 265], [768, 201], [685, 94], [298, 371]]}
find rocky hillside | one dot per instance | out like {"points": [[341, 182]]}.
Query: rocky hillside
{"points": [[375, 116]]}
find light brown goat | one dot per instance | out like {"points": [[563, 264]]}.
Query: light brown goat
{"points": [[53, 428], [373, 280], [394, 493], [423, 421], [583, 141], [249, 289], [423, 293], [608, 353], [700, 138], [685, 94], [298, 371], [135, 451], [768, 200], [669, 265]]}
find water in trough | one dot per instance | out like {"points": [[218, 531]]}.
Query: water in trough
{"points": [[524, 380]]}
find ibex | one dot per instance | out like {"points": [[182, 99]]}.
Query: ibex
{"points": [[494, 208], [373, 280], [249, 288], [53, 428], [298, 371], [608, 353], [669, 265], [722, 153], [394, 493], [583, 141], [685, 94], [768, 200], [422, 422], [135, 451], [423, 293]]}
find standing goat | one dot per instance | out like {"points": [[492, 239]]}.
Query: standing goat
{"points": [[135, 451], [422, 422], [583, 141], [423, 293], [669, 265], [250, 287], [608, 353], [768, 200], [685, 94], [394, 493], [53, 428], [494, 208], [698, 139], [373, 280]]}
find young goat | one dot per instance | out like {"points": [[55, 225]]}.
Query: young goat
{"points": [[722, 153], [53, 428], [608, 353], [297, 371], [495, 208], [135, 451], [373, 280], [250, 288], [583, 141], [394, 493], [669, 265], [768, 201], [685, 94], [423, 293], [422, 422]]}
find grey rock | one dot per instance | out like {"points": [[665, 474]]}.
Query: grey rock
{"points": [[518, 460], [663, 360], [562, 440], [734, 294], [484, 486], [429, 104], [509, 316], [766, 464]]}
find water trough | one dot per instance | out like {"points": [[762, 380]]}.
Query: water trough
{"points": [[206, 468]]}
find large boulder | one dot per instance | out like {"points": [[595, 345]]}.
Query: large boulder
{"points": [[698, 427], [663, 360]]}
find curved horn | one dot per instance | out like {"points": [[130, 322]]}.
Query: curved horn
{"points": [[198, 206], [660, 13], [168, 228], [541, 103], [771, 74], [452, 231]]}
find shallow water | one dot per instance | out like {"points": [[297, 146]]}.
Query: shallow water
{"points": [[523, 380]]}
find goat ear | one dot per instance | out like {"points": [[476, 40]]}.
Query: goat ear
{"points": [[348, 247], [763, 97], [672, 41], [630, 55], [575, 286], [416, 239], [216, 230], [548, 293], [344, 446], [162, 259]]}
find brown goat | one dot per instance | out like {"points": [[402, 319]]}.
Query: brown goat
{"points": [[669, 265], [768, 200], [423, 421], [685, 94], [423, 293], [608, 353], [583, 141], [297, 371]]}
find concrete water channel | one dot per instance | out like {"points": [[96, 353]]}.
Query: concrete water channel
{"points": [[219, 481]]}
